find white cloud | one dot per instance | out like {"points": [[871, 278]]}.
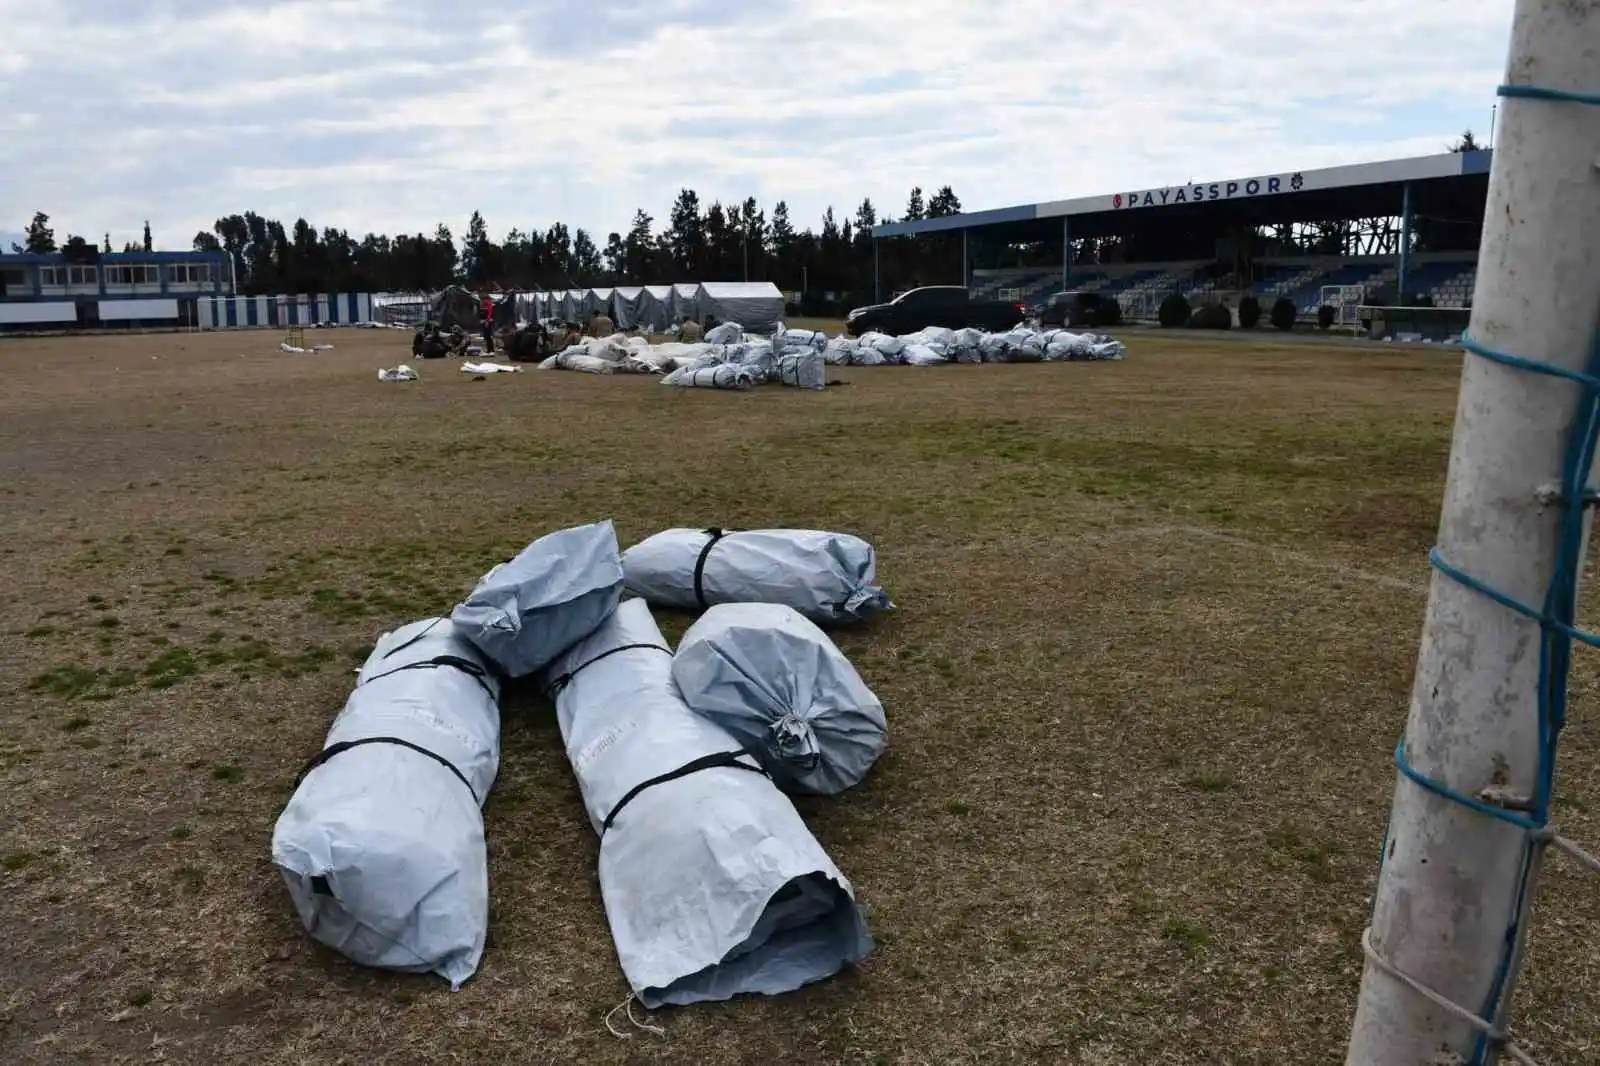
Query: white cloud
{"points": [[393, 114]]}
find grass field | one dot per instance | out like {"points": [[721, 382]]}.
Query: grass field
{"points": [[1154, 644]]}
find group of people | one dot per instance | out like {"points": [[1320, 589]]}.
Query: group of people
{"points": [[529, 343]]}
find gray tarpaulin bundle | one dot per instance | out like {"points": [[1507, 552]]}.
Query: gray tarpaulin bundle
{"points": [[712, 884], [778, 684], [381, 845], [828, 577], [712, 377], [525, 612], [804, 370]]}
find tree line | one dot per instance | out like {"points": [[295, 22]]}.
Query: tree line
{"points": [[719, 242]]}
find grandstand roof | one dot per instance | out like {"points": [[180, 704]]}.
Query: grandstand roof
{"points": [[1360, 189]]}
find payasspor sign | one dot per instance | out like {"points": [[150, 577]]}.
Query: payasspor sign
{"points": [[1217, 190]]}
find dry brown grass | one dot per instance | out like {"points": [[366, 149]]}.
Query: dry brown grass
{"points": [[1155, 637]]}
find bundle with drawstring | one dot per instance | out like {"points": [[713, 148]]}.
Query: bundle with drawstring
{"points": [[828, 577], [381, 845], [785, 691], [713, 886]]}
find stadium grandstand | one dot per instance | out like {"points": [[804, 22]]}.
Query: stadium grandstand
{"points": [[1402, 233]]}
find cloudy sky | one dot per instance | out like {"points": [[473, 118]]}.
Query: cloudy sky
{"points": [[392, 115]]}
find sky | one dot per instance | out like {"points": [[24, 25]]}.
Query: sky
{"points": [[394, 115]]}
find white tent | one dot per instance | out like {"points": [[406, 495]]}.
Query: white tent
{"points": [[625, 304], [755, 305], [596, 300], [685, 300], [655, 308], [570, 306]]}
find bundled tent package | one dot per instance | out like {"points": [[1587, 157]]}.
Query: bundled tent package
{"points": [[921, 355], [803, 370], [712, 884], [381, 845], [527, 611], [828, 577], [712, 377], [777, 683], [726, 333]]}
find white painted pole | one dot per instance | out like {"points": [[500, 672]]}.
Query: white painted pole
{"points": [[1451, 875]]}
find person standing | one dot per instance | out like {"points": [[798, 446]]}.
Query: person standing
{"points": [[600, 325], [486, 320], [689, 331]]}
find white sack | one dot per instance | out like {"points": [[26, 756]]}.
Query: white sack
{"points": [[525, 612], [828, 577], [712, 884], [381, 845], [726, 333], [778, 684], [921, 355], [805, 371], [711, 377]]}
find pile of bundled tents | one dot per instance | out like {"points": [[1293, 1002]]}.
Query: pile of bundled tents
{"points": [[730, 360], [711, 882]]}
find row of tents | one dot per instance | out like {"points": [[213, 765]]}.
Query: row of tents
{"points": [[757, 306]]}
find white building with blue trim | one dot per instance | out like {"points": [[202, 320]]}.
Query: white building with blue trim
{"points": [[41, 291]]}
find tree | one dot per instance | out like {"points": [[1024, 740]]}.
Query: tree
{"points": [[106, 246], [686, 235], [77, 247], [1467, 143], [475, 250], [149, 245], [716, 258], [616, 256], [914, 209], [586, 264], [204, 241], [639, 249], [787, 271], [40, 238], [945, 203]]}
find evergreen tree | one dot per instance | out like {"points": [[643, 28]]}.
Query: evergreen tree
{"points": [[639, 250], [686, 235], [149, 245], [40, 238]]}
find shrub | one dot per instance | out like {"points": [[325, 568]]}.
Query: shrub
{"points": [[1325, 317], [1211, 316], [1249, 312], [1174, 312], [1283, 313]]}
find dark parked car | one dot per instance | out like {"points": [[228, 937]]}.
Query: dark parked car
{"points": [[1079, 309], [950, 306]]}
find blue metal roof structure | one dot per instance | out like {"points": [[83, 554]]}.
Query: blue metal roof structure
{"points": [[1354, 183]]}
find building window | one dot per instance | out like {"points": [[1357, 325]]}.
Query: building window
{"points": [[136, 274], [15, 279], [189, 273], [53, 276], [80, 275]]}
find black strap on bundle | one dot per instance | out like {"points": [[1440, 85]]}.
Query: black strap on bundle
{"points": [[466, 666], [563, 680], [729, 759], [345, 745], [700, 566]]}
